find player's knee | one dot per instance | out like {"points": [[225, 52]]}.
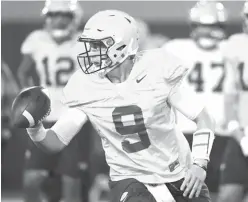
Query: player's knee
{"points": [[230, 193], [33, 178]]}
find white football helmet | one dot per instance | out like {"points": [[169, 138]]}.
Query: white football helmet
{"points": [[62, 18], [208, 20], [245, 17], [109, 38]]}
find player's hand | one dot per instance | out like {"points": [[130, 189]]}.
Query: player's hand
{"points": [[193, 181], [38, 125]]}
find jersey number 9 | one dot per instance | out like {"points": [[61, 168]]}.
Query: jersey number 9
{"points": [[138, 127]]}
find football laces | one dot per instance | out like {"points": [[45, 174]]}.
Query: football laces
{"points": [[45, 115]]}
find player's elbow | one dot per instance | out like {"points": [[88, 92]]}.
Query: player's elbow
{"points": [[51, 149], [205, 120]]}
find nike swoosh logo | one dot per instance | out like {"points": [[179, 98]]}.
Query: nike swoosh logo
{"points": [[139, 80]]}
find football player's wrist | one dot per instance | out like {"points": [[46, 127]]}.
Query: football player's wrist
{"points": [[38, 133], [203, 166], [201, 161], [202, 144]]}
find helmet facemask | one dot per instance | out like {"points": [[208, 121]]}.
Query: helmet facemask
{"points": [[102, 55], [60, 24], [208, 23], [208, 36]]}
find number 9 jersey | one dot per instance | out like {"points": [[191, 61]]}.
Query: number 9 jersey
{"points": [[134, 119], [54, 63]]}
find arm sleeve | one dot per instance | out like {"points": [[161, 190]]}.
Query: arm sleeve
{"points": [[69, 124]]}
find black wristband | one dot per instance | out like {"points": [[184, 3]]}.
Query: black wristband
{"points": [[201, 166]]}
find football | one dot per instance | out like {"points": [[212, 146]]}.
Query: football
{"points": [[30, 106]]}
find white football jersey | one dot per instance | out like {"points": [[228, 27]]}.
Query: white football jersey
{"points": [[54, 64], [134, 119], [206, 77], [236, 50]]}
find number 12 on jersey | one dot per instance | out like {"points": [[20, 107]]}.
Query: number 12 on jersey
{"points": [[65, 67], [137, 128]]}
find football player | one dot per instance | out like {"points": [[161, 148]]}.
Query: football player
{"points": [[49, 55], [129, 98], [202, 51], [100, 169], [234, 180]]}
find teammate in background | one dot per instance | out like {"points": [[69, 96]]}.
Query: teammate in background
{"points": [[131, 106], [147, 39], [202, 51], [50, 53], [234, 181]]}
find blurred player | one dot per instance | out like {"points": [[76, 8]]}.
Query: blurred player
{"points": [[128, 97], [49, 54], [234, 181], [203, 54]]}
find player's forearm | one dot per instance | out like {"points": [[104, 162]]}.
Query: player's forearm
{"points": [[203, 138], [46, 139], [62, 132]]}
